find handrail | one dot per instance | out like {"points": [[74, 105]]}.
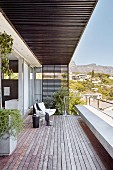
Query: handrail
{"points": [[105, 101], [100, 100], [108, 107], [103, 112]]}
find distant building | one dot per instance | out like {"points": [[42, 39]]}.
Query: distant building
{"points": [[93, 95], [111, 78], [79, 77], [96, 81], [94, 89]]}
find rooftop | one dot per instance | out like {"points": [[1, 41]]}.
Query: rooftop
{"points": [[67, 145]]}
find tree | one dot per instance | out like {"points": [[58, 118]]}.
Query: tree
{"points": [[92, 74], [76, 86]]}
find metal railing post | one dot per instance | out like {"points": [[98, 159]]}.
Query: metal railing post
{"points": [[98, 103], [65, 113], [89, 100], [86, 100]]}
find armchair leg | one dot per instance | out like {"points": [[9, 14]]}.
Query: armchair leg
{"points": [[47, 119]]}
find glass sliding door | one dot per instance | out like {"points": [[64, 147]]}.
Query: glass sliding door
{"points": [[53, 78]]}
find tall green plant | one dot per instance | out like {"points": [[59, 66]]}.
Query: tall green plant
{"points": [[58, 99], [11, 122], [6, 44]]}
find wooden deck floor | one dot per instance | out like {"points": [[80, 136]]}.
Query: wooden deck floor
{"points": [[63, 146]]}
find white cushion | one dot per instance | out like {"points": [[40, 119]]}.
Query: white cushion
{"points": [[42, 106], [38, 112], [43, 109], [50, 111]]}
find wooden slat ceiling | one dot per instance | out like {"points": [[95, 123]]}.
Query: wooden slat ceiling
{"points": [[51, 28]]}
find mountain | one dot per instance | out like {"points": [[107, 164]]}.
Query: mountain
{"points": [[88, 68]]}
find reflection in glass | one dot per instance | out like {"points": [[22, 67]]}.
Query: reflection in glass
{"points": [[54, 77]]}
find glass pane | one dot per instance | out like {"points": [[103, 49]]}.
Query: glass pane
{"points": [[38, 76], [14, 76]]}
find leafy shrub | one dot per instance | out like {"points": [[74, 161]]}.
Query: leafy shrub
{"points": [[74, 99], [58, 100], [11, 122]]}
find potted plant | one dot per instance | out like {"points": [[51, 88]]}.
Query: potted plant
{"points": [[11, 123]]}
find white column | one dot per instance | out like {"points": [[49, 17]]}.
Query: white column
{"points": [[20, 86], [29, 83], [30, 86], [34, 85], [26, 87]]}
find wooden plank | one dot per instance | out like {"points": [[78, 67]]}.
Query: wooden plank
{"points": [[47, 156], [59, 124], [50, 156], [55, 145], [68, 147], [44, 145], [79, 161], [63, 157]]}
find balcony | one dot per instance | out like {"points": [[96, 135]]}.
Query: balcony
{"points": [[66, 145]]}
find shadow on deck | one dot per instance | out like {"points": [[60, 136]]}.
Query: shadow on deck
{"points": [[67, 145]]}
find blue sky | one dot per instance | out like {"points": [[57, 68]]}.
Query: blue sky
{"points": [[96, 44]]}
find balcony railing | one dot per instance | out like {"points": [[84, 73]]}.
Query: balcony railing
{"points": [[105, 106]]}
